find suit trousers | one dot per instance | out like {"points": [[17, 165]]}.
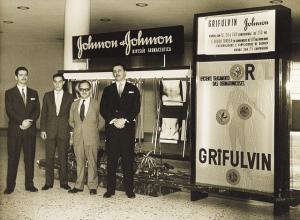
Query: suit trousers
{"points": [[14, 145], [83, 152], [120, 143], [61, 145]]}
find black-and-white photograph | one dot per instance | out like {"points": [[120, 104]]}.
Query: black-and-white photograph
{"points": [[151, 110]]}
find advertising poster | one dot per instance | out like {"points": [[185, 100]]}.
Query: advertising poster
{"points": [[241, 33], [235, 124]]}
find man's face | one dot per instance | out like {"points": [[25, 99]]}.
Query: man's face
{"points": [[84, 90], [58, 83], [22, 77], [119, 73]]}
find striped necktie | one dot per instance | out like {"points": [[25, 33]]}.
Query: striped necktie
{"points": [[120, 89], [23, 96]]}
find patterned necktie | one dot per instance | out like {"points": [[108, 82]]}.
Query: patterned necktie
{"points": [[23, 96], [82, 108], [120, 89]]}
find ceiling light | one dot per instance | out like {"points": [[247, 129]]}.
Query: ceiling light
{"points": [[276, 1], [8, 22], [105, 19], [23, 7], [141, 4]]}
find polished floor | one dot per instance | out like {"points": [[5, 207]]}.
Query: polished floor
{"points": [[58, 204]]}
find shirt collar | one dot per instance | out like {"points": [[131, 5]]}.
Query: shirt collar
{"points": [[87, 100], [58, 92], [121, 82], [22, 87]]}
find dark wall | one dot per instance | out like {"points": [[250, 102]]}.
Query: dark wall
{"points": [[295, 111]]}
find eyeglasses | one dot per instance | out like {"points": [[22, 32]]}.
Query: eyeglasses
{"points": [[84, 89]]}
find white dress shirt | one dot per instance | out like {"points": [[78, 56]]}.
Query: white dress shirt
{"points": [[24, 88], [86, 105], [58, 99], [120, 86]]}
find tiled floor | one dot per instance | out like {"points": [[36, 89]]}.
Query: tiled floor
{"points": [[58, 204]]}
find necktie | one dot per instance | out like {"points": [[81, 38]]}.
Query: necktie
{"points": [[23, 96], [120, 89], [82, 108]]}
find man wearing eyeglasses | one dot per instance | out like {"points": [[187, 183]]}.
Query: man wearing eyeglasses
{"points": [[55, 130], [84, 119]]}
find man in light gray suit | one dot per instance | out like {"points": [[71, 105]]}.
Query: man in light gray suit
{"points": [[84, 119]]}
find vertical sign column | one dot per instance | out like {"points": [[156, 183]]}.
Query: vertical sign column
{"points": [[235, 101], [77, 22]]}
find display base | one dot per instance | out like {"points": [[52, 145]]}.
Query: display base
{"points": [[144, 184], [281, 206], [197, 195]]}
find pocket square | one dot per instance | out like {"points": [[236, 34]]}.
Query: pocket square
{"points": [[32, 99], [130, 92]]}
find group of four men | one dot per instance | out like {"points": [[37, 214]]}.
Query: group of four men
{"points": [[65, 122]]}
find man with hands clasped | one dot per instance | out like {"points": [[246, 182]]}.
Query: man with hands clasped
{"points": [[23, 109], [120, 104]]}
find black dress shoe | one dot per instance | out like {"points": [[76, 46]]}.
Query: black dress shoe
{"points": [[8, 191], [108, 194], [46, 187], [75, 190], [93, 191], [66, 187], [31, 189], [131, 195]]}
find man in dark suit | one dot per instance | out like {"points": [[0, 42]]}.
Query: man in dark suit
{"points": [[23, 109], [120, 104], [55, 130]]}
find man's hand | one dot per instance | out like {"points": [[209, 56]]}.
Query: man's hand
{"points": [[26, 124], [44, 135], [120, 123]]}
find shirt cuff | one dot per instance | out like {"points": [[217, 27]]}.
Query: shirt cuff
{"points": [[112, 121]]}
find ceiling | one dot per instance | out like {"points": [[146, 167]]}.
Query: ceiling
{"points": [[44, 21]]}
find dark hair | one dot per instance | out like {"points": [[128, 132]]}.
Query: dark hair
{"points": [[84, 81], [19, 69], [119, 64], [58, 75]]}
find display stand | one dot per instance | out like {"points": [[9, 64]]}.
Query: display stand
{"points": [[240, 139], [150, 178]]}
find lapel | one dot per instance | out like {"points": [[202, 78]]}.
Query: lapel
{"points": [[89, 109], [125, 90], [52, 98], [63, 102], [115, 90], [19, 96], [76, 109]]}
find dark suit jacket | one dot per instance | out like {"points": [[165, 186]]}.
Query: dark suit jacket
{"points": [[56, 126], [17, 111], [113, 106]]}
